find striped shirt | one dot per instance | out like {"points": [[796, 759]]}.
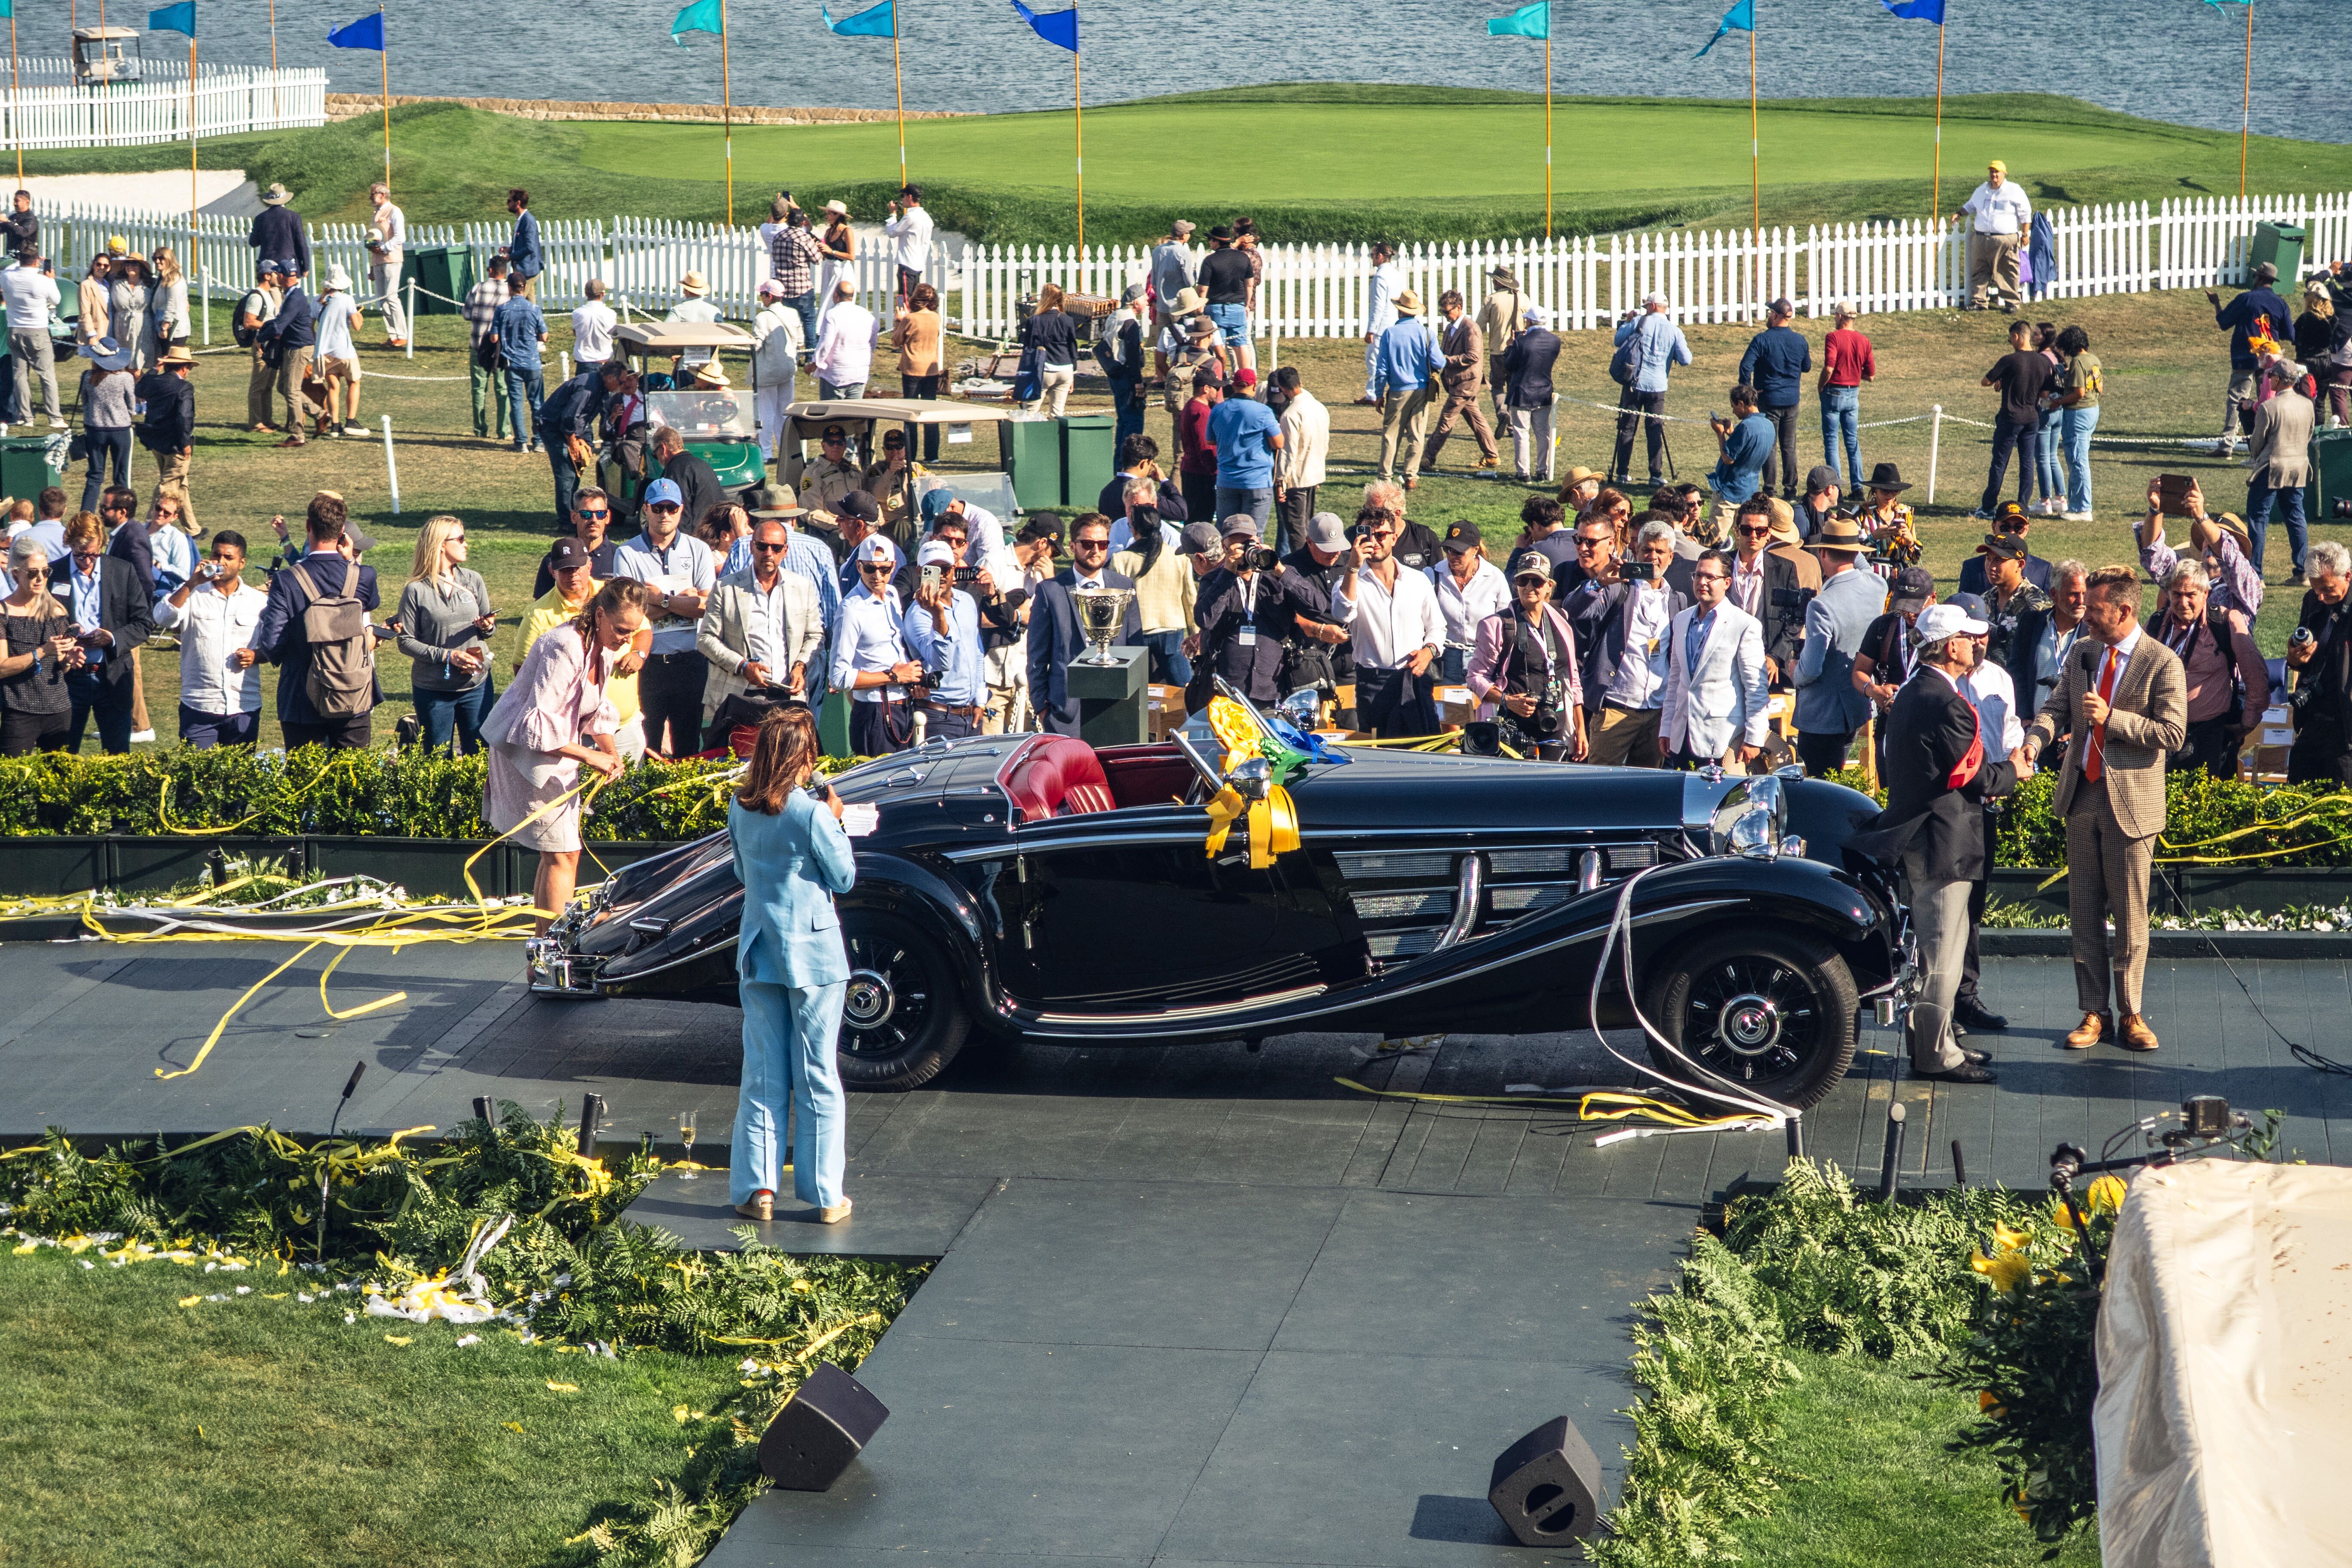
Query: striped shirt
{"points": [[482, 302]]}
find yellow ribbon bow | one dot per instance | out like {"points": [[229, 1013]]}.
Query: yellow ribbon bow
{"points": [[1273, 823]]}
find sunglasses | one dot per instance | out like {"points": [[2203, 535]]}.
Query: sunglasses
{"points": [[456, 539], [762, 544], [1093, 545], [881, 566], [593, 516], [34, 572], [1583, 544], [1750, 531], [666, 506]]}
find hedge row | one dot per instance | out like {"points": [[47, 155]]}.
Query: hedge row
{"points": [[414, 794], [2310, 822]]}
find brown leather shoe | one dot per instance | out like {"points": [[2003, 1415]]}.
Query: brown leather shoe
{"points": [[2095, 1027], [2136, 1036]]}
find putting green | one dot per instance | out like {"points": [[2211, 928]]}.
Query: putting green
{"points": [[1289, 152]]}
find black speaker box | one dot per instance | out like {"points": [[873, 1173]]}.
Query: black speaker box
{"points": [[1546, 1486], [815, 1437]]}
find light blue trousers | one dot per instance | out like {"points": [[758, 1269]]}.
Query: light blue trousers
{"points": [[788, 1041]]}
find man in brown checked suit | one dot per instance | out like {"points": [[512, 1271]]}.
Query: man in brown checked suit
{"points": [[2125, 698], [1464, 378]]}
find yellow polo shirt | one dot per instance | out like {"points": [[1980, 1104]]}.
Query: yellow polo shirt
{"points": [[549, 612]]}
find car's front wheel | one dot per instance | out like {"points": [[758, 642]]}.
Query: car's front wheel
{"points": [[903, 1020], [1773, 1012]]}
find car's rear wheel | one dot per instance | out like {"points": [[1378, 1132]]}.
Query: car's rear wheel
{"points": [[904, 1020], [1773, 1012]]}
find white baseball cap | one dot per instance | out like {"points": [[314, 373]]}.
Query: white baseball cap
{"points": [[1937, 622], [935, 552], [1537, 315], [876, 547], [1649, 299]]}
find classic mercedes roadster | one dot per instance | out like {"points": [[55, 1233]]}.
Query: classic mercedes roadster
{"points": [[1034, 887]]}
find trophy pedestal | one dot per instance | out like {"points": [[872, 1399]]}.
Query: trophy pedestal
{"points": [[1111, 706]]}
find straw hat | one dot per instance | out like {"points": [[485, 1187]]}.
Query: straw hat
{"points": [[694, 283], [276, 195], [1188, 301], [177, 355], [711, 376], [1838, 533], [837, 206], [1408, 303]]}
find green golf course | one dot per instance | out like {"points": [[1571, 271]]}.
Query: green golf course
{"points": [[1310, 161]]}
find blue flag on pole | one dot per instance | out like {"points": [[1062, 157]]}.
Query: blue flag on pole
{"points": [[1057, 27], [1740, 17], [702, 16], [1917, 10], [1526, 22], [873, 22], [367, 33], [178, 18]]}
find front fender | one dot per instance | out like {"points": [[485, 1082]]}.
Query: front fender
{"points": [[940, 908], [1789, 892]]}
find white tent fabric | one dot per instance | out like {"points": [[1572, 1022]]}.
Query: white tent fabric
{"points": [[2224, 1415]]}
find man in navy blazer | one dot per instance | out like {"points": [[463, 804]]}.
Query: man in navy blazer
{"points": [[1057, 635]]}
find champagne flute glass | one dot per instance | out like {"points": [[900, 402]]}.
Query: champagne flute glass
{"points": [[686, 1136]]}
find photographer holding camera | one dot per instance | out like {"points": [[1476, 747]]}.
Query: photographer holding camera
{"points": [[1317, 651], [1242, 610], [1620, 613], [2224, 668], [2321, 659], [1524, 670]]}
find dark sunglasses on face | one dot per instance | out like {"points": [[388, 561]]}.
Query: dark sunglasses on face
{"points": [[34, 572], [666, 506], [1754, 532], [763, 545], [596, 516], [1582, 543], [1094, 544], [881, 566]]}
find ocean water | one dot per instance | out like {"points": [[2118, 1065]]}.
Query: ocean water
{"points": [[2178, 60]]}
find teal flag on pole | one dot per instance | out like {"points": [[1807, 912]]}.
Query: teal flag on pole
{"points": [[873, 22], [178, 18], [1740, 18], [702, 16], [7, 10], [1526, 22]]}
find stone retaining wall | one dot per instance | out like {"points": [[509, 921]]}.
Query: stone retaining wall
{"points": [[350, 105]]}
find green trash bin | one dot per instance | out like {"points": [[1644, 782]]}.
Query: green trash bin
{"points": [[24, 466], [2330, 496], [445, 270], [2281, 244], [1033, 456], [1089, 458]]}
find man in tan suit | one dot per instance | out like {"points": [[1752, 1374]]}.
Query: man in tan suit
{"points": [[2279, 463], [1465, 376], [2126, 699]]}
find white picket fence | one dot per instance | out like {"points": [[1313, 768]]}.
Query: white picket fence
{"points": [[52, 109], [1318, 290]]}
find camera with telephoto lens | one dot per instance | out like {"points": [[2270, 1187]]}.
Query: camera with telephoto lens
{"points": [[1546, 724], [1263, 558]]}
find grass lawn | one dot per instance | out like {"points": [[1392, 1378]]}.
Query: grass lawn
{"points": [[1881, 1490], [1452, 163], [2166, 369], [254, 1431]]}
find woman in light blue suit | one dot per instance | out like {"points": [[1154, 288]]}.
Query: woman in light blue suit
{"points": [[792, 857]]}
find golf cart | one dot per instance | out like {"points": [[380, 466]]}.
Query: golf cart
{"points": [[717, 422], [99, 57], [862, 419]]}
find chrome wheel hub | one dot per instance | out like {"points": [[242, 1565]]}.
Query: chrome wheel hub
{"points": [[1751, 1024], [870, 1001]]}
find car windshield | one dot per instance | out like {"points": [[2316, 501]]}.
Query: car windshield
{"points": [[700, 415]]}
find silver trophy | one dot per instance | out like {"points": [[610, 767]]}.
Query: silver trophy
{"points": [[1102, 613]]}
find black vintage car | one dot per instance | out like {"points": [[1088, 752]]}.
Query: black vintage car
{"points": [[1034, 886]]}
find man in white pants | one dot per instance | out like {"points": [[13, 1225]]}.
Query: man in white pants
{"points": [[775, 362], [384, 253], [1380, 293]]}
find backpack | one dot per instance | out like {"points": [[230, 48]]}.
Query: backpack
{"points": [[256, 305], [341, 680], [1624, 364]]}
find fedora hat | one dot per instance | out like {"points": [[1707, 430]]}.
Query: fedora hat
{"points": [[694, 283], [711, 376], [177, 355], [276, 195], [1838, 533], [1187, 302], [2231, 524], [1888, 477], [1408, 303], [776, 501]]}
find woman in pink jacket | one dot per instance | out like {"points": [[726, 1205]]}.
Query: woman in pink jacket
{"points": [[1525, 665], [554, 719]]}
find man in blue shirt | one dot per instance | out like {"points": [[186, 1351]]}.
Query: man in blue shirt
{"points": [[521, 333], [1745, 447], [942, 630], [2259, 308], [524, 258], [1657, 346], [573, 410], [1775, 365], [1247, 436], [1406, 364], [288, 341]]}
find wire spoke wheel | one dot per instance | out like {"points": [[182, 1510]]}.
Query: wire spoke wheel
{"points": [[901, 1019], [1771, 1012]]}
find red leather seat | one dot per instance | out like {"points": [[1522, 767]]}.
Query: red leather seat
{"points": [[1057, 776]]}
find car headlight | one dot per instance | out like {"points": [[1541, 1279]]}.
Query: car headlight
{"points": [[1750, 820]]}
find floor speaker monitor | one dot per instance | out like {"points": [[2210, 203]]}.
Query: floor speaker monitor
{"points": [[1546, 1486], [824, 1426]]}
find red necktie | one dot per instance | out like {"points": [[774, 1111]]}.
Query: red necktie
{"points": [[2095, 751]]}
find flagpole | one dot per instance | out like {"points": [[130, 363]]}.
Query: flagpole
{"points": [[384, 62], [192, 150], [1547, 126], [1755, 174], [2246, 124], [1078, 89], [899, 87], [726, 109], [1936, 195], [15, 107], [277, 109]]}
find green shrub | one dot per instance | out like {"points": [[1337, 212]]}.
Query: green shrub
{"points": [[414, 794], [2199, 808]]}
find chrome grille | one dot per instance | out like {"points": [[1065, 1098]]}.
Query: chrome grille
{"points": [[1402, 943], [1434, 904], [1529, 897], [1533, 862], [1361, 865], [1632, 857]]}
